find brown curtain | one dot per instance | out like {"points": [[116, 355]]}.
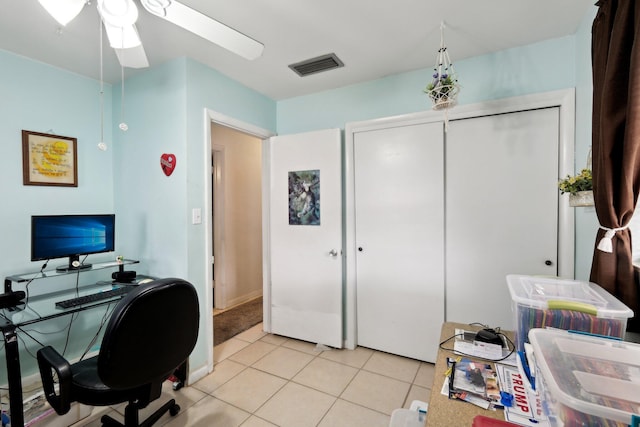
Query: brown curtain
{"points": [[616, 144]]}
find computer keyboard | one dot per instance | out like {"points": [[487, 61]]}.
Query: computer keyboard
{"points": [[98, 296]]}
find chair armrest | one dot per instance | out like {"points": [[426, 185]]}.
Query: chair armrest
{"points": [[49, 360]]}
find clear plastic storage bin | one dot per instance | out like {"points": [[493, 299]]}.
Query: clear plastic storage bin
{"points": [[585, 380], [541, 302]]}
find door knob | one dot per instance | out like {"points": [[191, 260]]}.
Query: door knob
{"points": [[548, 262], [333, 253], [359, 248]]}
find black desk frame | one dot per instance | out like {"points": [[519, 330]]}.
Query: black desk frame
{"points": [[10, 329], [12, 355]]}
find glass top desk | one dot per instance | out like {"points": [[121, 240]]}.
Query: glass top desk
{"points": [[42, 308]]}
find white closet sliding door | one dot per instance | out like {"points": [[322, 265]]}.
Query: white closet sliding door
{"points": [[399, 218], [501, 209]]}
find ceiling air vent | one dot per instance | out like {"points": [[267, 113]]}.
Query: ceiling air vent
{"points": [[317, 65]]}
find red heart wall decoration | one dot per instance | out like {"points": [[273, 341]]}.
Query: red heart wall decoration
{"points": [[168, 163]]}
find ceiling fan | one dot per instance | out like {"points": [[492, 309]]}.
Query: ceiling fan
{"points": [[119, 17]]}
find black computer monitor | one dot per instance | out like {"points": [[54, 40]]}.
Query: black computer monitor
{"points": [[60, 236]]}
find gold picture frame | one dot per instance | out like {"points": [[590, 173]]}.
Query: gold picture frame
{"points": [[49, 159]]}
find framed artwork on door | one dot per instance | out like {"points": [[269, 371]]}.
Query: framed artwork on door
{"points": [[304, 197]]}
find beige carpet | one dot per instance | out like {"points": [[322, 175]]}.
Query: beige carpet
{"points": [[230, 323]]}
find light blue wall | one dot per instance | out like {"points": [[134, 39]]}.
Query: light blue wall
{"points": [[164, 109], [207, 88], [150, 205], [541, 67], [535, 68], [38, 97], [586, 220], [41, 98]]}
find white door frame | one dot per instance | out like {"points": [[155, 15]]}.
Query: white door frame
{"points": [[564, 99], [210, 117], [219, 275]]}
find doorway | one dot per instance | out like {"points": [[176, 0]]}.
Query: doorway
{"points": [[211, 117], [236, 216]]}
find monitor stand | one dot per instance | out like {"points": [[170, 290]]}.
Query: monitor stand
{"points": [[74, 265], [67, 269]]}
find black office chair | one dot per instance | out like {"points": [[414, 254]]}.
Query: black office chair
{"points": [[151, 332]]}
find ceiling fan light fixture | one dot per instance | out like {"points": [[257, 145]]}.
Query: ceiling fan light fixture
{"points": [[63, 11], [156, 7], [118, 13]]}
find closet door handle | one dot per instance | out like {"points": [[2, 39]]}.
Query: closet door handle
{"points": [[548, 262], [333, 253]]}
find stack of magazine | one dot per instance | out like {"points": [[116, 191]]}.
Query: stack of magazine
{"points": [[473, 381]]}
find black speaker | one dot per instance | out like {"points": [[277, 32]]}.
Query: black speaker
{"points": [[11, 299], [123, 276]]}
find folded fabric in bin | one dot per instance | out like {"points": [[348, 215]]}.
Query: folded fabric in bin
{"points": [[546, 302], [585, 380]]}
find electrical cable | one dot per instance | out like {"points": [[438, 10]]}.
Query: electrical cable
{"points": [[73, 315], [26, 288], [498, 333], [105, 317]]}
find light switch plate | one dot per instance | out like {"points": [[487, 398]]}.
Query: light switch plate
{"points": [[196, 216]]}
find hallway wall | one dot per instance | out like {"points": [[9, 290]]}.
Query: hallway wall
{"points": [[241, 235]]}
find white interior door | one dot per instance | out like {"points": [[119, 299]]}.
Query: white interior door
{"points": [[399, 223], [501, 209], [306, 236]]}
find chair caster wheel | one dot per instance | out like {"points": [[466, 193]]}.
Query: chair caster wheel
{"points": [[173, 411]]}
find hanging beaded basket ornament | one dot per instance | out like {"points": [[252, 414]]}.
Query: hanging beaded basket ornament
{"points": [[443, 89]]}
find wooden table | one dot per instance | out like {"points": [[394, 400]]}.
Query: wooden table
{"points": [[444, 412]]}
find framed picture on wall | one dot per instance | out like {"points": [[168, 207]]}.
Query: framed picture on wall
{"points": [[49, 159]]}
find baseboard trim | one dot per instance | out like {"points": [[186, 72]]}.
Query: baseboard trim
{"points": [[197, 375], [242, 299]]}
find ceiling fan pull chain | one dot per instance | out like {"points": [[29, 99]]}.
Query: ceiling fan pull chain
{"points": [[123, 126], [101, 144]]}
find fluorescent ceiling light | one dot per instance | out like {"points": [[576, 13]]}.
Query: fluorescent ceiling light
{"points": [[63, 11]]}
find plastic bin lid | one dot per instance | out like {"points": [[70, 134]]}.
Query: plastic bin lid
{"points": [[556, 293], [482, 421], [597, 376]]}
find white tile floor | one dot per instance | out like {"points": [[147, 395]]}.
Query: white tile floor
{"points": [[263, 380]]}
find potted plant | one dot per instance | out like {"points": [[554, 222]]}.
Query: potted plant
{"points": [[442, 90], [579, 187]]}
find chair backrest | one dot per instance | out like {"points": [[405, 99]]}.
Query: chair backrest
{"points": [[152, 330]]}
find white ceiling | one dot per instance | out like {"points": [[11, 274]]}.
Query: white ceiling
{"points": [[374, 38]]}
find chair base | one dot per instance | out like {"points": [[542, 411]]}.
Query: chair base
{"points": [[131, 416]]}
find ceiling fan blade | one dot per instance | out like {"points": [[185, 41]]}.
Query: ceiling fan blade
{"points": [[122, 37], [63, 11], [126, 42], [133, 57], [210, 29]]}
